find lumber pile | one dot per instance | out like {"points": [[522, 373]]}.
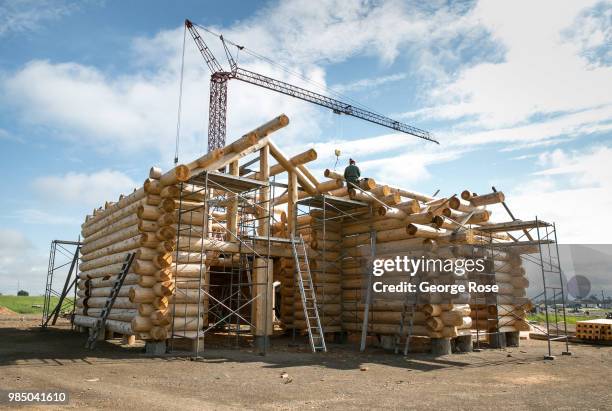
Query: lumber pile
{"points": [[594, 330]]}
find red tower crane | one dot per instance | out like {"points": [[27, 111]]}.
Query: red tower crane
{"points": [[218, 95]]}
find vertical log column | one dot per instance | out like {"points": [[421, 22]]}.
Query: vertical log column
{"points": [[262, 306], [232, 208], [263, 275], [264, 192], [292, 191]]}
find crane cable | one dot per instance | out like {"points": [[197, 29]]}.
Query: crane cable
{"points": [[180, 102]]}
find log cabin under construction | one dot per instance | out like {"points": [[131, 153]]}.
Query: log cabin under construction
{"points": [[220, 249]]}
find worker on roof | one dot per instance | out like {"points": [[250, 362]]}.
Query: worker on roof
{"points": [[352, 174]]}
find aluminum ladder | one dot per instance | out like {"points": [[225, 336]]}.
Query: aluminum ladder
{"points": [[110, 301], [308, 295], [408, 311]]}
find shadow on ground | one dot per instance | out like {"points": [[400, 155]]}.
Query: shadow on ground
{"points": [[57, 346]]}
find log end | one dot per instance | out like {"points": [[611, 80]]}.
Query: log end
{"points": [[151, 186], [139, 211], [438, 221], [283, 120], [155, 173], [367, 184], [182, 172]]}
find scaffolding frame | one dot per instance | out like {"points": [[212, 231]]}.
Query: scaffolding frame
{"points": [[543, 235], [61, 249], [224, 304], [332, 209]]}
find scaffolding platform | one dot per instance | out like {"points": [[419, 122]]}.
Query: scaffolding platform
{"points": [[338, 203], [534, 243], [228, 182], [269, 239], [513, 226]]}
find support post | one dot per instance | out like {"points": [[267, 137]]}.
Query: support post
{"points": [[262, 305], [128, 339], [264, 192], [155, 347], [291, 204], [512, 338], [463, 343], [232, 208], [497, 340], [440, 346]]}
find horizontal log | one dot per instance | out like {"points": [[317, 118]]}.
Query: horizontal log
{"points": [[131, 244], [127, 221], [119, 327], [120, 209], [196, 245], [118, 314], [486, 199], [99, 302], [113, 238]]}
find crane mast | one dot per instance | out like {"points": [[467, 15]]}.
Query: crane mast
{"points": [[218, 96]]}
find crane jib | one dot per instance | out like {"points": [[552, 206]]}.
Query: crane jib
{"points": [[325, 101], [218, 111]]}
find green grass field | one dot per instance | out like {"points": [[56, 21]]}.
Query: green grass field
{"points": [[24, 305], [571, 319]]}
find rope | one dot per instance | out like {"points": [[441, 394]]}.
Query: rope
{"points": [[180, 102]]}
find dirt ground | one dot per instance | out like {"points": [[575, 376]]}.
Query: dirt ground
{"points": [[120, 377]]}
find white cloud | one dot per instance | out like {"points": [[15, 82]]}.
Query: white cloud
{"points": [[593, 32], [20, 263], [333, 30], [574, 189], [137, 110], [395, 159], [38, 217], [84, 190], [566, 126], [543, 78], [11, 240], [28, 15], [368, 83]]}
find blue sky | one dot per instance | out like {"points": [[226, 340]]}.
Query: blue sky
{"points": [[518, 93]]}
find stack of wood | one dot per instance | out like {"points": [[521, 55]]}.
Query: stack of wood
{"points": [[594, 330]]}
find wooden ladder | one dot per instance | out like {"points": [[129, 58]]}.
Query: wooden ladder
{"points": [[309, 298], [110, 301]]}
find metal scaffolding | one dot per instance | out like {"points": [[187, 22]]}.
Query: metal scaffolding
{"points": [[223, 288], [543, 235], [63, 263], [328, 209]]}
